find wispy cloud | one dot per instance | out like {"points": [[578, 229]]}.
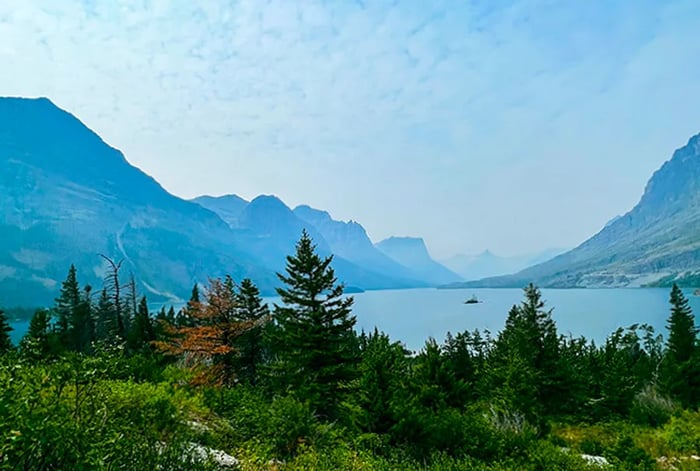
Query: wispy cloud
{"points": [[455, 120]]}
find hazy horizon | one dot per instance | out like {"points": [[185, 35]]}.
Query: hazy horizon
{"points": [[514, 128]]}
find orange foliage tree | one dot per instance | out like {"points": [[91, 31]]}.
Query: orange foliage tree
{"points": [[208, 340]]}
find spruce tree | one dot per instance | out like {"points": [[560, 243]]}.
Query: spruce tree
{"points": [[82, 325], [5, 329], [680, 373], [106, 329], [682, 332], [67, 304], [142, 332], [526, 356], [38, 342], [316, 346], [382, 385], [186, 316], [251, 348]]}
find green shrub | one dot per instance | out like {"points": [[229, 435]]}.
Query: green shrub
{"points": [[626, 454], [651, 408], [683, 432], [591, 446]]}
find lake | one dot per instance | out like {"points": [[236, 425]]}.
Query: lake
{"points": [[413, 315]]}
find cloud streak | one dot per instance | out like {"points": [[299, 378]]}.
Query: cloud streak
{"points": [[453, 120]]}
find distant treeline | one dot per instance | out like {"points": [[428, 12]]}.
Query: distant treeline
{"points": [[297, 384]]}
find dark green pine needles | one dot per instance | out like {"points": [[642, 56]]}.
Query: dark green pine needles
{"points": [[313, 338]]}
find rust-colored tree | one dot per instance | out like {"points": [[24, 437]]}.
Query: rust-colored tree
{"points": [[209, 345]]}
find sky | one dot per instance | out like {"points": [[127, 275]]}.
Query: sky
{"points": [[509, 125]]}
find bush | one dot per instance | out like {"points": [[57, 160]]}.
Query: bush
{"points": [[591, 446], [651, 408], [627, 455], [683, 432]]}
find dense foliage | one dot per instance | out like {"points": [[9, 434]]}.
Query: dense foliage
{"points": [[99, 382]]}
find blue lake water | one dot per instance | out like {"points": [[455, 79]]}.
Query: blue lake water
{"points": [[412, 316]]}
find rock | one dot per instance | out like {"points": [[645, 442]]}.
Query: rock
{"points": [[596, 460], [219, 457]]}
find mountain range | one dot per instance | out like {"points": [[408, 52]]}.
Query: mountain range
{"points": [[68, 197], [487, 264], [654, 244]]}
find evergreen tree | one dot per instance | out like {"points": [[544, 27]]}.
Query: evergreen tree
{"points": [[106, 329], [142, 332], [526, 357], [38, 343], [251, 348], [5, 329], [67, 304], [130, 304], [317, 349], [187, 317], [680, 371], [682, 330], [82, 325], [384, 374]]}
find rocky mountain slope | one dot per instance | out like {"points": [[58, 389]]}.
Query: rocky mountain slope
{"points": [[269, 229], [68, 197], [655, 243], [412, 253]]}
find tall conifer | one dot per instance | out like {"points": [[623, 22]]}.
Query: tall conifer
{"points": [[316, 346]]}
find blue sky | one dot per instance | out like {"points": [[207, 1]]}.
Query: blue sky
{"points": [[508, 125]]}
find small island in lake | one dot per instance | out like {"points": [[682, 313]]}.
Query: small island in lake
{"points": [[472, 300]]}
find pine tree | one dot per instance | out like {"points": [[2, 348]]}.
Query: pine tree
{"points": [[250, 344], [384, 372], [82, 324], [316, 346], [186, 316], [66, 307], [681, 326], [105, 319], [5, 329], [130, 304], [38, 342], [142, 332], [526, 356], [680, 373]]}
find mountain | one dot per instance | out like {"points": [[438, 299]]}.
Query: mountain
{"points": [[228, 207], [655, 243], [350, 241], [268, 230], [412, 253], [486, 264], [66, 196]]}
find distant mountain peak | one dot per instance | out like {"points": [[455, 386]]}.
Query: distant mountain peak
{"points": [[412, 252], [656, 240], [304, 210], [227, 197]]}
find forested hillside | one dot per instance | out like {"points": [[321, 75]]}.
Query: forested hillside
{"points": [[98, 382]]}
